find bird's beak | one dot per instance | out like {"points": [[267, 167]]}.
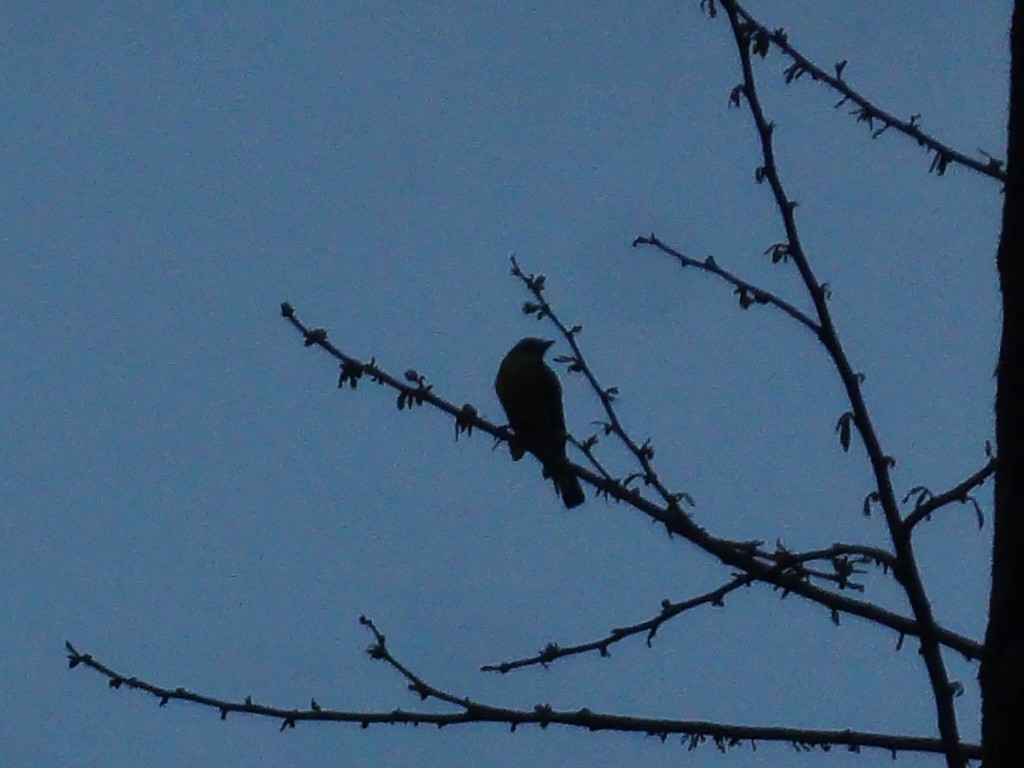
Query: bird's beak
{"points": [[548, 344]]}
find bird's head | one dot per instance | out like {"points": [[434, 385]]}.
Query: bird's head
{"points": [[533, 346]]}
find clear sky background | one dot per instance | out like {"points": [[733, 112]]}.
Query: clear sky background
{"points": [[186, 495]]}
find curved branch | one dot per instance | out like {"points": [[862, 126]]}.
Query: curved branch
{"points": [[693, 732]]}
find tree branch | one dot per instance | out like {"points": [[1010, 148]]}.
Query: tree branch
{"points": [[960, 492], [866, 112], [747, 292], [745, 35], [669, 610], [838, 554], [744, 556], [693, 732]]}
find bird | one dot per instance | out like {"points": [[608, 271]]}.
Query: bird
{"points": [[531, 395]]}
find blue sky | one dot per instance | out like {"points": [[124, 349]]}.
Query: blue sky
{"points": [[188, 496]]}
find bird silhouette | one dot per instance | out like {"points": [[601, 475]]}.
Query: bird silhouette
{"points": [[531, 395]]}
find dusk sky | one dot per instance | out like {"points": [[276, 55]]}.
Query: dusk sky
{"points": [[188, 496]]}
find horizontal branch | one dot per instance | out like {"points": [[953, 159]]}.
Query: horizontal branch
{"points": [[693, 732]]}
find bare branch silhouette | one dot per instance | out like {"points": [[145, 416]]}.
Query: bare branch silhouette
{"points": [[929, 504], [830, 576], [784, 571], [693, 733], [553, 651], [865, 111], [746, 36]]}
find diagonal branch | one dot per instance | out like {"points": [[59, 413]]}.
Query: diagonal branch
{"points": [[765, 567], [643, 453], [838, 554], [865, 112], [669, 610], [960, 492], [748, 292]]}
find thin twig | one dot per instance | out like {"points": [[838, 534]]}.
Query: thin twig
{"points": [[669, 610], [960, 492], [867, 112]]}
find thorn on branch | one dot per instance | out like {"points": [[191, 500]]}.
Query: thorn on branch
{"points": [[922, 493], [543, 711], [74, 657], [631, 478], [650, 239], [979, 515], [844, 431], [864, 115], [549, 653], [532, 308], [682, 496], [464, 421], [410, 397], [760, 43], [778, 252], [351, 372], [994, 163], [315, 336], [794, 72], [734, 95], [940, 163]]}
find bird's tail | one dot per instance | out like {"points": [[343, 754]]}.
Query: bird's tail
{"points": [[569, 489]]}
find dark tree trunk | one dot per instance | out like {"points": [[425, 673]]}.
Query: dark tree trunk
{"points": [[1002, 670]]}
